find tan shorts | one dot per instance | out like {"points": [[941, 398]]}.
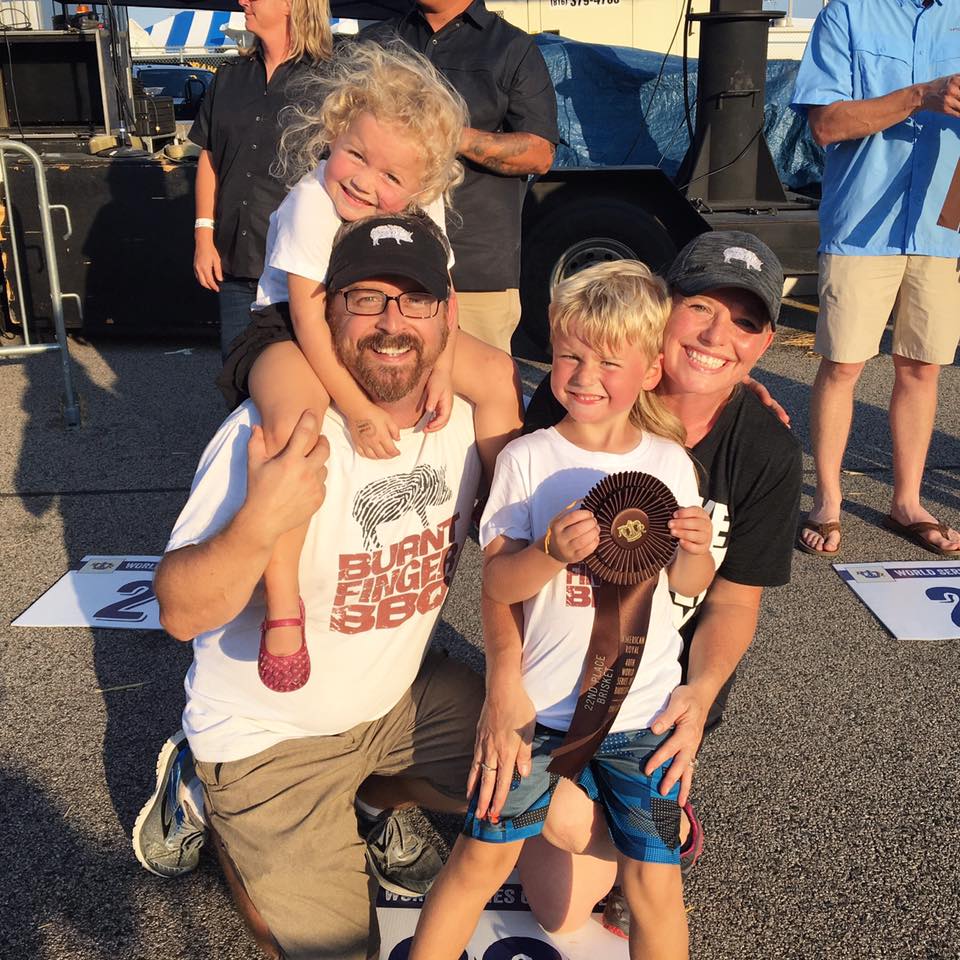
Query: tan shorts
{"points": [[490, 316], [287, 820], [859, 294]]}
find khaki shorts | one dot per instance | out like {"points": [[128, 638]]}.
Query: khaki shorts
{"points": [[287, 820], [859, 294], [490, 316]]}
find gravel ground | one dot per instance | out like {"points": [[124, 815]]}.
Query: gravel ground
{"points": [[828, 796]]}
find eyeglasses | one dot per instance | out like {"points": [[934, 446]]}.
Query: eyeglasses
{"points": [[370, 303]]}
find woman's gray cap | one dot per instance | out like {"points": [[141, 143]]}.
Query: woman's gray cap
{"points": [[729, 258]]}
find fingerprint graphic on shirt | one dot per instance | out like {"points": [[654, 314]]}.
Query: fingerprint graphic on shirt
{"points": [[388, 500]]}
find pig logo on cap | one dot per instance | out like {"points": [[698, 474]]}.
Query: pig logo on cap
{"points": [[390, 231], [747, 257]]}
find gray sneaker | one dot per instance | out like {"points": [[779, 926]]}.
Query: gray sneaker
{"points": [[402, 862], [165, 839]]}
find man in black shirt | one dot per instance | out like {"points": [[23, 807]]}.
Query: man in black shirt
{"points": [[501, 74], [238, 131]]}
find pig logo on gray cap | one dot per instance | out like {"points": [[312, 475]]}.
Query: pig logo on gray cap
{"points": [[747, 257], [390, 231]]}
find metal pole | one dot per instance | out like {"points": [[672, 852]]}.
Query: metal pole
{"points": [[14, 246], [71, 409]]}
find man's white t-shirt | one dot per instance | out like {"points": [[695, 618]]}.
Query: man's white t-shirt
{"points": [[300, 237], [537, 476], [374, 572]]}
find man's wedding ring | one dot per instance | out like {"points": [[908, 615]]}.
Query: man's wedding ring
{"points": [[486, 767]]}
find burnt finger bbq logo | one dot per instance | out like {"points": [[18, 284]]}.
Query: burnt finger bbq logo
{"points": [[385, 500], [389, 583]]}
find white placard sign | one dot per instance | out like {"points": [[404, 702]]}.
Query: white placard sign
{"points": [[914, 601], [506, 931], [112, 592]]}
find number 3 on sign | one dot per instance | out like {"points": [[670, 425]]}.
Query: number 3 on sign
{"points": [[138, 594]]}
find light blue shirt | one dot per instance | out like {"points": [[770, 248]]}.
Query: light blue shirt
{"points": [[882, 194]]}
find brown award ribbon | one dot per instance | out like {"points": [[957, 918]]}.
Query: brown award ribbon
{"points": [[635, 544]]}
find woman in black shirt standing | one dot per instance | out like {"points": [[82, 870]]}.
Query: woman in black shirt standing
{"points": [[238, 131]]}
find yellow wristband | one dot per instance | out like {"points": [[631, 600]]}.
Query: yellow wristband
{"points": [[546, 542]]}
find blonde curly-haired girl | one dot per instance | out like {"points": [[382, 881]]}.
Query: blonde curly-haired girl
{"points": [[375, 133]]}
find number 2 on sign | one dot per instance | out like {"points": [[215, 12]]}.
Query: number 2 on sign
{"points": [[128, 610]]}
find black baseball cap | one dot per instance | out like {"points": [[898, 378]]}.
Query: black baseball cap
{"points": [[396, 246], [729, 258]]}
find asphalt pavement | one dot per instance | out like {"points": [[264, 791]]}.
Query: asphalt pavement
{"points": [[829, 796]]}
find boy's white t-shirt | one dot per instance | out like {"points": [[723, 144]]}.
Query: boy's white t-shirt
{"points": [[536, 477], [300, 237], [374, 572]]}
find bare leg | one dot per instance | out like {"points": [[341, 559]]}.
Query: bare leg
{"points": [[283, 385], [658, 921], [472, 875], [831, 414], [913, 408], [572, 865], [394, 793], [498, 414]]}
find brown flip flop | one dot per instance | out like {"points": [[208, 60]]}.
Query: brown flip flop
{"points": [[914, 532], [822, 529]]}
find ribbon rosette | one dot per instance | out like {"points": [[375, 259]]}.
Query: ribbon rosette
{"points": [[633, 510]]}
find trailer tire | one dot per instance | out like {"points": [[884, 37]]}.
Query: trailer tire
{"points": [[578, 234]]}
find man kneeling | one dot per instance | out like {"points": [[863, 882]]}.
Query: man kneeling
{"points": [[280, 771]]}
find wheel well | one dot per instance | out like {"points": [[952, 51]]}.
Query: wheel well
{"points": [[574, 227], [647, 188]]}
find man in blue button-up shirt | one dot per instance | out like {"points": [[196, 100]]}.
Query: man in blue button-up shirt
{"points": [[880, 85]]}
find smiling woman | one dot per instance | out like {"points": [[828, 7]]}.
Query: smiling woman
{"points": [[712, 342], [238, 131]]}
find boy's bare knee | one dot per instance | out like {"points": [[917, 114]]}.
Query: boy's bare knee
{"points": [[650, 887], [491, 857]]}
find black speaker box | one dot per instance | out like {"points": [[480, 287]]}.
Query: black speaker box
{"points": [[153, 116]]}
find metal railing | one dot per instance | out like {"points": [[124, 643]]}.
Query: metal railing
{"points": [[71, 409]]}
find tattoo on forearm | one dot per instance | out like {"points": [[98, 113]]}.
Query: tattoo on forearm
{"points": [[499, 151]]}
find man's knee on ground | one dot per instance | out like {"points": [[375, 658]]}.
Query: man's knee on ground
{"points": [[245, 906]]}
